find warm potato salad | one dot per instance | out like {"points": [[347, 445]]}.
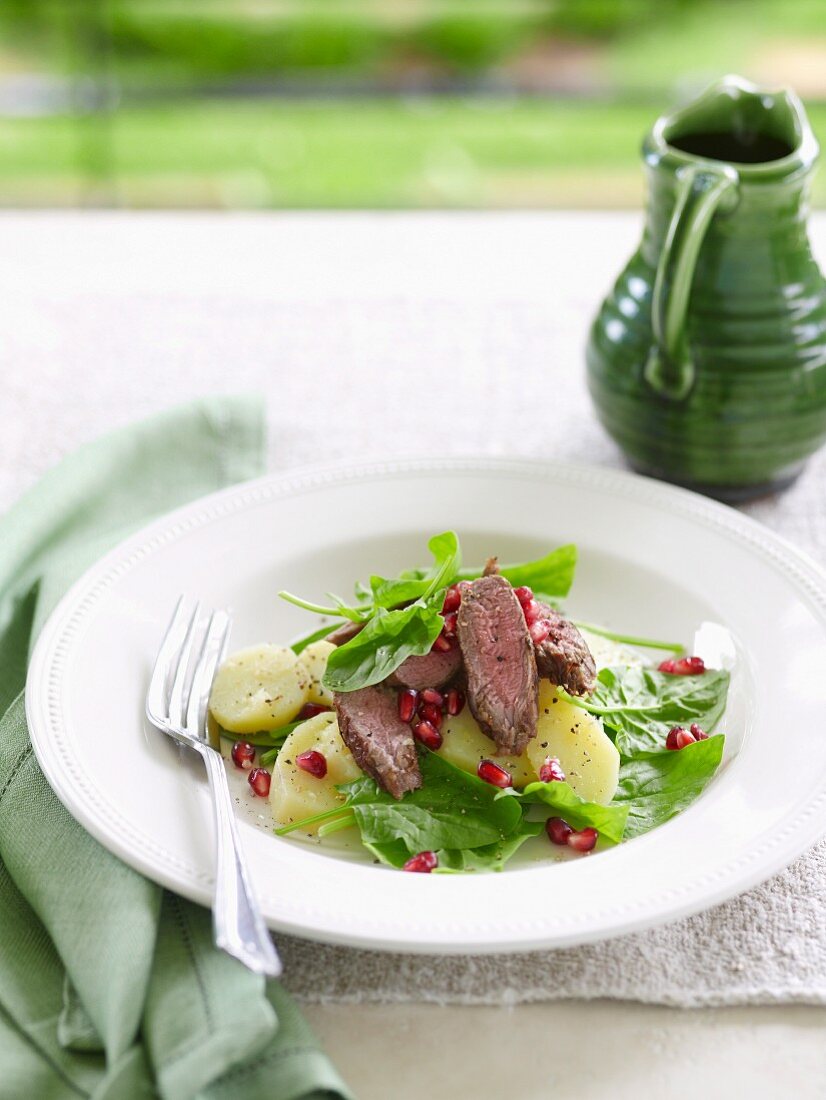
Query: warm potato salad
{"points": [[457, 715]]}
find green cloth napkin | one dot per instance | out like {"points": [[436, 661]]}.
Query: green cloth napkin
{"points": [[110, 986]]}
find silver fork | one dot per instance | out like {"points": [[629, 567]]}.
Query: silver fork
{"points": [[176, 703]]}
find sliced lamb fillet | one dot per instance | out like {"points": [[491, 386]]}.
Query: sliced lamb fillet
{"points": [[434, 669], [344, 633], [382, 744], [564, 657], [499, 661]]}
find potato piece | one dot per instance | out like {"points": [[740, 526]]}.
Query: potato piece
{"points": [[314, 662], [465, 745], [258, 688], [295, 794], [586, 753]]}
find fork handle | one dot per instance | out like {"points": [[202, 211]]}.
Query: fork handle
{"points": [[239, 927]]}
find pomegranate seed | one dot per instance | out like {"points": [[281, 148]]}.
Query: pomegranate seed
{"points": [[243, 754], [407, 704], [423, 863], [312, 762], [455, 701], [442, 644], [683, 666], [584, 840], [558, 830], [532, 611], [539, 631], [453, 597], [698, 731], [523, 594], [690, 666], [451, 619], [427, 733], [678, 738], [551, 771], [492, 773], [431, 695], [259, 780], [310, 710], [431, 714]]}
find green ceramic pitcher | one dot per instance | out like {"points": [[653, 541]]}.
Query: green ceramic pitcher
{"points": [[707, 361]]}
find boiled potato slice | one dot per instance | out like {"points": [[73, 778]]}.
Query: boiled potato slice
{"points": [[314, 662], [465, 745], [295, 794], [585, 752], [258, 688]]}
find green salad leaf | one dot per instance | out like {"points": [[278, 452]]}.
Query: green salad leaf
{"points": [[609, 821], [640, 705], [388, 639], [264, 739], [490, 857], [655, 787], [447, 561], [301, 643], [451, 809], [550, 576]]}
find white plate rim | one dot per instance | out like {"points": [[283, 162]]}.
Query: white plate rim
{"points": [[49, 656]]}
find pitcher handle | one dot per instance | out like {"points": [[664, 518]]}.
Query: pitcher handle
{"points": [[701, 189]]}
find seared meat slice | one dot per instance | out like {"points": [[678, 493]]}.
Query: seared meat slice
{"points": [[564, 657], [434, 669], [381, 743], [500, 664], [344, 633]]}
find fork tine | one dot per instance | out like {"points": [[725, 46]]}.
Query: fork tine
{"points": [[212, 652], [177, 693], [167, 655]]}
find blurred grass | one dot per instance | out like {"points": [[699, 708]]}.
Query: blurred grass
{"points": [[627, 60], [364, 153]]}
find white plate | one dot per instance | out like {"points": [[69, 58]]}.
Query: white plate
{"points": [[654, 560]]}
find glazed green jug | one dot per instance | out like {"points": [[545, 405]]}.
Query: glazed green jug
{"points": [[707, 361]]}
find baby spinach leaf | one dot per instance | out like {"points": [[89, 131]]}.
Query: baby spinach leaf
{"points": [[447, 560], [641, 705], [392, 593], [657, 786], [451, 809], [395, 854], [551, 576], [490, 857], [609, 821], [264, 739], [314, 636], [388, 639], [362, 591]]}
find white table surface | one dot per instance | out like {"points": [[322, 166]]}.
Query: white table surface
{"points": [[105, 317]]}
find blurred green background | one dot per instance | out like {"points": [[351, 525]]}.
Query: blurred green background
{"points": [[369, 103]]}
